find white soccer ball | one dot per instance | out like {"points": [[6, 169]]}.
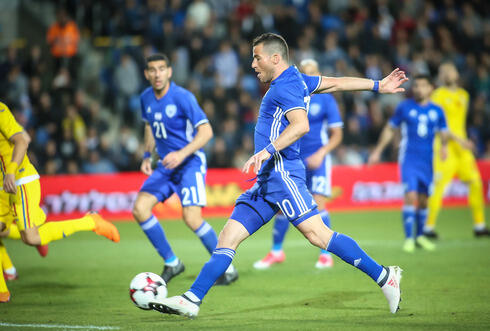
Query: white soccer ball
{"points": [[146, 287]]}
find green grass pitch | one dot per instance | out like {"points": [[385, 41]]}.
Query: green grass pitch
{"points": [[84, 281]]}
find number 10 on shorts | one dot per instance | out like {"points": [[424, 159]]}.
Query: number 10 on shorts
{"points": [[286, 208]]}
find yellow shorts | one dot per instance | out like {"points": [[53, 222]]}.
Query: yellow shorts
{"points": [[22, 207]]}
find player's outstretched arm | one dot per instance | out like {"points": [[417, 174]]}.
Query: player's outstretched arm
{"points": [[21, 141], [386, 136], [203, 135], [298, 127], [389, 84]]}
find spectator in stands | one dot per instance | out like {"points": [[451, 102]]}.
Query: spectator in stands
{"points": [[63, 38]]}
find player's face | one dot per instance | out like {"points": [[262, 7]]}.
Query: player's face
{"points": [[448, 74], [158, 74], [262, 64], [421, 90]]}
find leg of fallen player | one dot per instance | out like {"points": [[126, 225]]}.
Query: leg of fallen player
{"points": [[388, 278]]}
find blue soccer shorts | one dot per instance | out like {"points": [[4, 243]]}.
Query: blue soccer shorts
{"points": [[187, 181], [284, 191], [319, 181], [417, 177]]}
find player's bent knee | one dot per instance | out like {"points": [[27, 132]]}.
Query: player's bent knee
{"points": [[140, 213]]}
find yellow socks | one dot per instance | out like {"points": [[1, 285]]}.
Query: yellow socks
{"points": [[6, 261], [475, 200], [51, 231]]}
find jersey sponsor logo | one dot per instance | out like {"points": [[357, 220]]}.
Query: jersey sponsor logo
{"points": [[412, 113], [158, 116], [315, 108], [171, 110]]}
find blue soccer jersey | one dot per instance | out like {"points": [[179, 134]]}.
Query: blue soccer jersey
{"points": [[419, 125], [291, 90], [281, 183], [173, 119], [322, 115]]}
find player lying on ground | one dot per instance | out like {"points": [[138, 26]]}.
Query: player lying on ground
{"points": [[419, 120], [20, 194], [178, 127], [315, 147], [281, 183], [454, 102]]}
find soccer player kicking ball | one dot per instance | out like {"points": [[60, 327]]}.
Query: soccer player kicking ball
{"points": [[178, 127], [454, 101], [315, 147], [281, 183], [20, 195], [419, 120]]}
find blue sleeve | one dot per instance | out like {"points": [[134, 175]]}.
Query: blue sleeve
{"points": [[397, 117], [290, 97], [193, 111], [442, 124], [332, 112], [143, 112], [312, 82]]}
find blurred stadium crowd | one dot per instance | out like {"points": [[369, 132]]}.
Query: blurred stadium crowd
{"points": [[76, 90]]}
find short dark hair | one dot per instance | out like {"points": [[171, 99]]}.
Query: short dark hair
{"points": [[427, 77], [157, 57], [274, 42]]}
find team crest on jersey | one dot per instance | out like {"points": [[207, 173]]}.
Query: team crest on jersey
{"points": [[148, 110], [158, 116], [171, 110], [433, 115], [314, 108], [412, 113], [423, 118]]}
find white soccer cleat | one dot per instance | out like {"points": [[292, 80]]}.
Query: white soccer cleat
{"points": [[177, 305], [391, 289]]}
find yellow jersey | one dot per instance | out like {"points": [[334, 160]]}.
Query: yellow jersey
{"points": [[454, 103], [9, 127]]}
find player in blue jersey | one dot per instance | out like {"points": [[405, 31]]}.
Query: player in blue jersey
{"points": [[315, 147], [419, 120], [178, 128], [281, 182]]}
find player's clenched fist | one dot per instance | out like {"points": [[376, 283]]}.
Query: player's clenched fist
{"points": [[173, 159]]}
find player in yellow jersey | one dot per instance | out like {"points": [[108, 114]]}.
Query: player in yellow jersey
{"points": [[454, 101], [20, 197]]}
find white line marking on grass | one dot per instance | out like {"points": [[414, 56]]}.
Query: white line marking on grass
{"points": [[60, 326]]}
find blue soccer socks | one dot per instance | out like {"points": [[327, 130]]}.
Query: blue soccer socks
{"points": [[212, 270], [281, 225], [421, 217], [207, 235], [349, 251], [408, 217], [154, 231]]}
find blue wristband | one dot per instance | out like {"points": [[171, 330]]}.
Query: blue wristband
{"points": [[271, 149], [376, 86], [146, 155]]}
